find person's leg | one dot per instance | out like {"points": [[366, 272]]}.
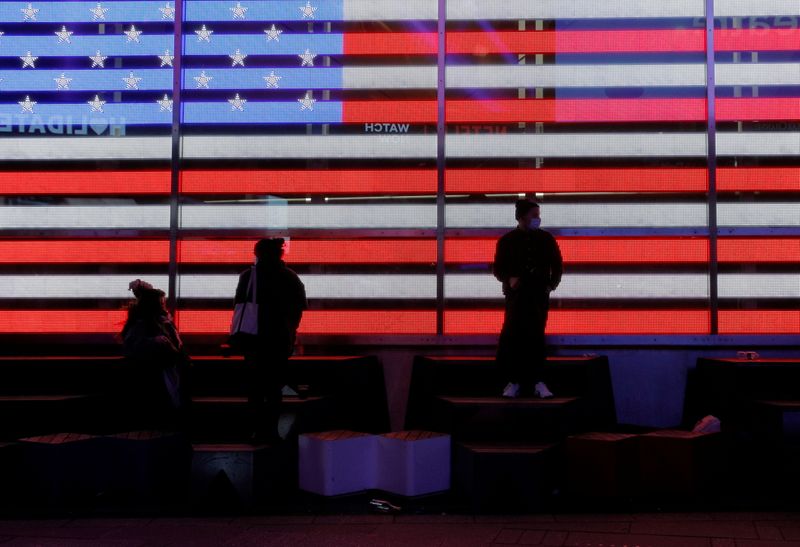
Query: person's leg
{"points": [[538, 346], [274, 381], [256, 387]]}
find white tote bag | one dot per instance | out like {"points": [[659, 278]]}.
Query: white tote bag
{"points": [[245, 314]]}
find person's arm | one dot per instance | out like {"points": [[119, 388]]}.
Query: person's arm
{"points": [[241, 287], [557, 266], [299, 303], [502, 261]]}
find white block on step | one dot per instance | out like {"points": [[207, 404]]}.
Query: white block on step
{"points": [[337, 462], [413, 463]]}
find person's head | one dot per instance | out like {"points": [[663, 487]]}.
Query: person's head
{"points": [[269, 249], [150, 303], [527, 213]]}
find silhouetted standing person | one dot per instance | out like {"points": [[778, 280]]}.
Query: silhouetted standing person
{"points": [[281, 299], [528, 263]]}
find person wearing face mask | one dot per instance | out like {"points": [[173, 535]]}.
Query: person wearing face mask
{"points": [[528, 263]]}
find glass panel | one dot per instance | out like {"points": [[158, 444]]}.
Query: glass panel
{"points": [[757, 53], [598, 111], [314, 123], [85, 148]]}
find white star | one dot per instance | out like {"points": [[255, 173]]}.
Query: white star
{"points": [[166, 59], [238, 11], [98, 60], [273, 34], [28, 60], [307, 58], [202, 80], [273, 79], [63, 35], [98, 13], [133, 34], [238, 58], [165, 103], [1, 32], [27, 104], [30, 13], [204, 34], [308, 10], [62, 82], [167, 12], [131, 82], [306, 103], [96, 104], [237, 103]]}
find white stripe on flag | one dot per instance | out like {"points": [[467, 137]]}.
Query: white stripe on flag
{"points": [[86, 148], [758, 74], [570, 9], [82, 217], [414, 286], [587, 286], [584, 215], [74, 286], [759, 214], [389, 77], [331, 286], [308, 216], [458, 146], [310, 147], [759, 286], [766, 8], [515, 76], [572, 145], [758, 143], [389, 10]]}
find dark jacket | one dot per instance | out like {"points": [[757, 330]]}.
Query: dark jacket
{"points": [[281, 298], [531, 255]]}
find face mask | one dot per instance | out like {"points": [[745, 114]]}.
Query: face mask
{"points": [[534, 223]]}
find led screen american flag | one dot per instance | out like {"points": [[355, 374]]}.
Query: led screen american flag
{"points": [[317, 121]]}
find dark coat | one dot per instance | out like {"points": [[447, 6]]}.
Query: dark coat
{"points": [[281, 298], [531, 255]]}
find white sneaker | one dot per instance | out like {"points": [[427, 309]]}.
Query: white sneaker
{"points": [[511, 391], [540, 390]]}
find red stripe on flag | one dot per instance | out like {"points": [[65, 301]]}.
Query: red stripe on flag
{"points": [[759, 250], [491, 181], [576, 110], [746, 109], [757, 39], [594, 250], [64, 183], [511, 42], [61, 321], [323, 322], [328, 182], [576, 322], [393, 112], [131, 251], [759, 322], [525, 110], [415, 251], [758, 179]]}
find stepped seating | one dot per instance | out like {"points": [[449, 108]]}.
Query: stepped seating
{"points": [[758, 403], [507, 452], [43, 396], [505, 477], [460, 396], [47, 394]]}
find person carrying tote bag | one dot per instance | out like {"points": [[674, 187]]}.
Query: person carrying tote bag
{"points": [[276, 296]]}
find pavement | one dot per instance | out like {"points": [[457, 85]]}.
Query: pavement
{"points": [[716, 529]]}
